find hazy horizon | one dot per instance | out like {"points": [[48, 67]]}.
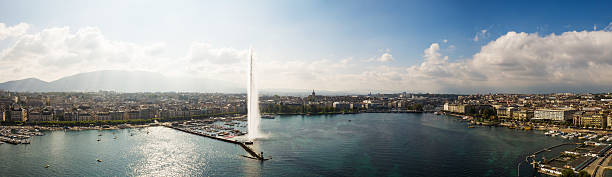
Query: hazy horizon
{"points": [[393, 46]]}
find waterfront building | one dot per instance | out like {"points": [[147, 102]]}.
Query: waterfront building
{"points": [[456, 108], [34, 116], [83, 116], [341, 105], [18, 114], [117, 115], [69, 116], [506, 112], [524, 115], [146, 114], [559, 115], [356, 105], [103, 116], [46, 115], [467, 108], [133, 114], [590, 119]]}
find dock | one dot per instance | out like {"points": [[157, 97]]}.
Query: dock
{"points": [[241, 144], [552, 147]]}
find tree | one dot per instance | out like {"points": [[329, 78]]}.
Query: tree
{"points": [[568, 173], [584, 174]]}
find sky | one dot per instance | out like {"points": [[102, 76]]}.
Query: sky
{"points": [[430, 46]]}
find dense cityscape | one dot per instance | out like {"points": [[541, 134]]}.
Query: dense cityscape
{"points": [[106, 106], [578, 110], [567, 115], [306, 88]]}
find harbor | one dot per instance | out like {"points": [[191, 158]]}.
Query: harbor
{"points": [[18, 136], [230, 130], [248, 149]]}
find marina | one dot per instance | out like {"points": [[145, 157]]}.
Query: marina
{"points": [[18, 136], [230, 130]]}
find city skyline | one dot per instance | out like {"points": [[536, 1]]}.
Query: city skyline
{"points": [[417, 46]]}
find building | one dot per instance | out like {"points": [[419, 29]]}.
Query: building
{"points": [[342, 105], [506, 112], [34, 116], [467, 108], [83, 116], [559, 115], [18, 114], [523, 115], [598, 119], [117, 115], [46, 115], [103, 116]]}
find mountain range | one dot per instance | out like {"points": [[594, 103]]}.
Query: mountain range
{"points": [[121, 81], [143, 81]]}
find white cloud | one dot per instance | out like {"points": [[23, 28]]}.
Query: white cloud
{"points": [[522, 61], [479, 35], [514, 61], [385, 57], [13, 31], [57, 52]]}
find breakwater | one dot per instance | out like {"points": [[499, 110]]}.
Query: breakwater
{"points": [[241, 144]]}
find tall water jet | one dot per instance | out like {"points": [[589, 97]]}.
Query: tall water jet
{"points": [[253, 102]]}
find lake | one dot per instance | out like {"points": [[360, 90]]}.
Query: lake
{"points": [[372, 144]]}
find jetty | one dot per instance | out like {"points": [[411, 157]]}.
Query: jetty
{"points": [[241, 144], [552, 147]]}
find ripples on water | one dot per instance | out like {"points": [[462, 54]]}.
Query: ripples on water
{"points": [[368, 145]]}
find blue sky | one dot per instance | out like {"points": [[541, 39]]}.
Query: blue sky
{"points": [[310, 31]]}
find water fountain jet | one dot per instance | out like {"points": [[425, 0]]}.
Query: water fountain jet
{"points": [[253, 116]]}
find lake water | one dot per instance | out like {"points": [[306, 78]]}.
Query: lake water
{"points": [[377, 144]]}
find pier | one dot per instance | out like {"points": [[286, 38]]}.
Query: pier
{"points": [[241, 144], [552, 147]]}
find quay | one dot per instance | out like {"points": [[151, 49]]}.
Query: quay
{"points": [[552, 147], [241, 144]]}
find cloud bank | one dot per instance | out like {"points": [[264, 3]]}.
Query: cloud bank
{"points": [[574, 61]]}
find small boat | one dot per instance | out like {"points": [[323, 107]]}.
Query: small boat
{"points": [[115, 137], [98, 160], [248, 142], [471, 126], [98, 140], [99, 134], [47, 166]]}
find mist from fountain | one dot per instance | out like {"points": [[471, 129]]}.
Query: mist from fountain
{"points": [[253, 118]]}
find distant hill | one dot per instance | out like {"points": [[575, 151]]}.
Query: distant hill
{"points": [[25, 85], [122, 81]]}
